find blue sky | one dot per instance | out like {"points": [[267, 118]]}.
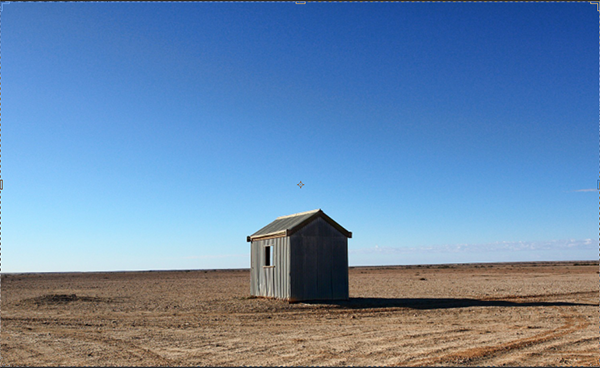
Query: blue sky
{"points": [[144, 136]]}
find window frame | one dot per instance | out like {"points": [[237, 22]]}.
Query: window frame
{"points": [[268, 259]]}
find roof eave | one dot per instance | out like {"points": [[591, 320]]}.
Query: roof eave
{"points": [[277, 234]]}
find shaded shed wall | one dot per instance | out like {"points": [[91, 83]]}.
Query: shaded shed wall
{"points": [[318, 263]]}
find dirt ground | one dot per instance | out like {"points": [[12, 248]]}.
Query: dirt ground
{"points": [[529, 314]]}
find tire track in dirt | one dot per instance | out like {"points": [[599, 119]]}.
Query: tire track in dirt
{"points": [[25, 353], [385, 341], [144, 354], [589, 355], [518, 297], [572, 323]]}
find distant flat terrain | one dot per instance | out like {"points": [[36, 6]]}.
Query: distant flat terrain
{"points": [[519, 314]]}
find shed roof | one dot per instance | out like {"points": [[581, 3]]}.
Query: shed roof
{"points": [[287, 225]]}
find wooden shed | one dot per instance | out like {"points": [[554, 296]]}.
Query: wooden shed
{"points": [[299, 257]]}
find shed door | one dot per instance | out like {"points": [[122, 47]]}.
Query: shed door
{"points": [[267, 287]]}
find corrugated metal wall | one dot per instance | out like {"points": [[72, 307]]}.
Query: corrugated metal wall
{"points": [[270, 281], [318, 263]]}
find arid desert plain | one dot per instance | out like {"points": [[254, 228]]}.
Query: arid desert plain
{"points": [[516, 314]]}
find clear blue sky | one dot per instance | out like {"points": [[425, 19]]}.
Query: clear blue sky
{"points": [[142, 136]]}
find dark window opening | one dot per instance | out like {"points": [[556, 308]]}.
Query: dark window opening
{"points": [[269, 256]]}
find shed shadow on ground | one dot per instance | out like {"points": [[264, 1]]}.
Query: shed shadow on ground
{"points": [[435, 303]]}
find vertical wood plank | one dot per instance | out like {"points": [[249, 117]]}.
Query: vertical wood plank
{"points": [[277, 271], [311, 263], [340, 270], [251, 268], [287, 268], [296, 268], [324, 260]]}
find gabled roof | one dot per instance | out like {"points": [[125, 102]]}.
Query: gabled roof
{"points": [[287, 225]]}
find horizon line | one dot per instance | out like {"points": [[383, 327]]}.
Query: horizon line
{"points": [[592, 261]]}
